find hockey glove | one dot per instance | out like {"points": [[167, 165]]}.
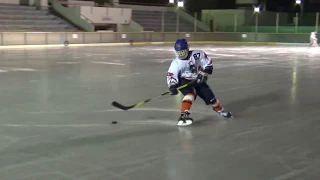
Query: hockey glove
{"points": [[173, 89], [202, 77]]}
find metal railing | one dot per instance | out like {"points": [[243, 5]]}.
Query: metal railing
{"points": [[260, 22], [168, 21]]}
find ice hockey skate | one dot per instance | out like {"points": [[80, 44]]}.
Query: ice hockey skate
{"points": [[184, 119], [225, 114]]}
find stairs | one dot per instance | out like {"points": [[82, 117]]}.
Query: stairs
{"points": [[28, 18]]}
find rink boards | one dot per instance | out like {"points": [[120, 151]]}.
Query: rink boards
{"points": [[62, 38]]}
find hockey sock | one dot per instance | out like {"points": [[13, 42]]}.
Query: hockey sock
{"points": [[187, 102], [217, 106]]}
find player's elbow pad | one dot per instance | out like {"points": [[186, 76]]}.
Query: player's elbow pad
{"points": [[208, 70]]}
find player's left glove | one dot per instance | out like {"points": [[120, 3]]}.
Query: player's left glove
{"points": [[202, 77], [173, 89]]}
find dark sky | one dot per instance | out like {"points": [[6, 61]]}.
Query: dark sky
{"points": [[272, 5]]}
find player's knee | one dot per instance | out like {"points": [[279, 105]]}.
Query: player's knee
{"points": [[190, 97], [215, 102], [212, 101], [209, 98]]}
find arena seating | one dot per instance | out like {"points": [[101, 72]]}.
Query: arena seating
{"points": [[152, 21], [28, 18]]}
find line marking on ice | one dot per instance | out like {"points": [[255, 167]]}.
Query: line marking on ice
{"points": [[103, 62]]}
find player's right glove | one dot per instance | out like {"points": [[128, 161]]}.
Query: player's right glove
{"points": [[173, 89], [202, 77]]}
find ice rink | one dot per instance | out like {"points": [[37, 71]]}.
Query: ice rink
{"points": [[55, 115]]}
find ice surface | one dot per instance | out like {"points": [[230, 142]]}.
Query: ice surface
{"points": [[55, 115]]}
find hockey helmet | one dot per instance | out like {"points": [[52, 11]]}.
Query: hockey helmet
{"points": [[182, 48]]}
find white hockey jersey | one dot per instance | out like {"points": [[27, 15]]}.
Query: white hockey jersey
{"points": [[189, 68], [313, 36]]}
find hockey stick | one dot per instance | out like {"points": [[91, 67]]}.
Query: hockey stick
{"points": [[120, 106]]}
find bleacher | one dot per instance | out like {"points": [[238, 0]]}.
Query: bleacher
{"points": [[28, 18], [152, 21]]}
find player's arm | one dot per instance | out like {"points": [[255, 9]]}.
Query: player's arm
{"points": [[173, 77], [206, 63], [207, 67]]}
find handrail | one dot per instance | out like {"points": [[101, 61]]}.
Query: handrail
{"points": [[86, 18], [72, 15]]}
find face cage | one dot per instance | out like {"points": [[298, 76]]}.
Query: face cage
{"points": [[182, 54]]}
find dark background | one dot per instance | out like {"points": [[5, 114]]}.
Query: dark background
{"points": [[271, 5]]}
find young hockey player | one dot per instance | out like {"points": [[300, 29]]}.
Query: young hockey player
{"points": [[192, 66], [313, 39]]}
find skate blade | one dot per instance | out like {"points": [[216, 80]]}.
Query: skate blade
{"points": [[187, 123]]}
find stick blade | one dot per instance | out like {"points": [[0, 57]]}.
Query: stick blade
{"points": [[120, 106]]}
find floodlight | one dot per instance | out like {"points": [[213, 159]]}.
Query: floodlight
{"points": [[257, 9], [298, 1], [171, 1], [180, 4]]}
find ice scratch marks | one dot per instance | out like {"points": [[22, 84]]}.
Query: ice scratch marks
{"points": [[3, 71], [94, 54], [109, 63], [68, 62], [94, 62], [13, 140], [7, 69], [55, 125], [22, 69]]}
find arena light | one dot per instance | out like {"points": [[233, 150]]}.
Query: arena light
{"points": [[171, 1], [180, 4], [256, 9], [298, 1]]}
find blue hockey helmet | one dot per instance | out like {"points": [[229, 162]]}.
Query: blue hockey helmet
{"points": [[182, 48]]}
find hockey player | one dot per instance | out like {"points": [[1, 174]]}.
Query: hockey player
{"points": [[313, 39], [192, 66]]}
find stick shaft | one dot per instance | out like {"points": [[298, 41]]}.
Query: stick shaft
{"points": [[120, 106]]}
